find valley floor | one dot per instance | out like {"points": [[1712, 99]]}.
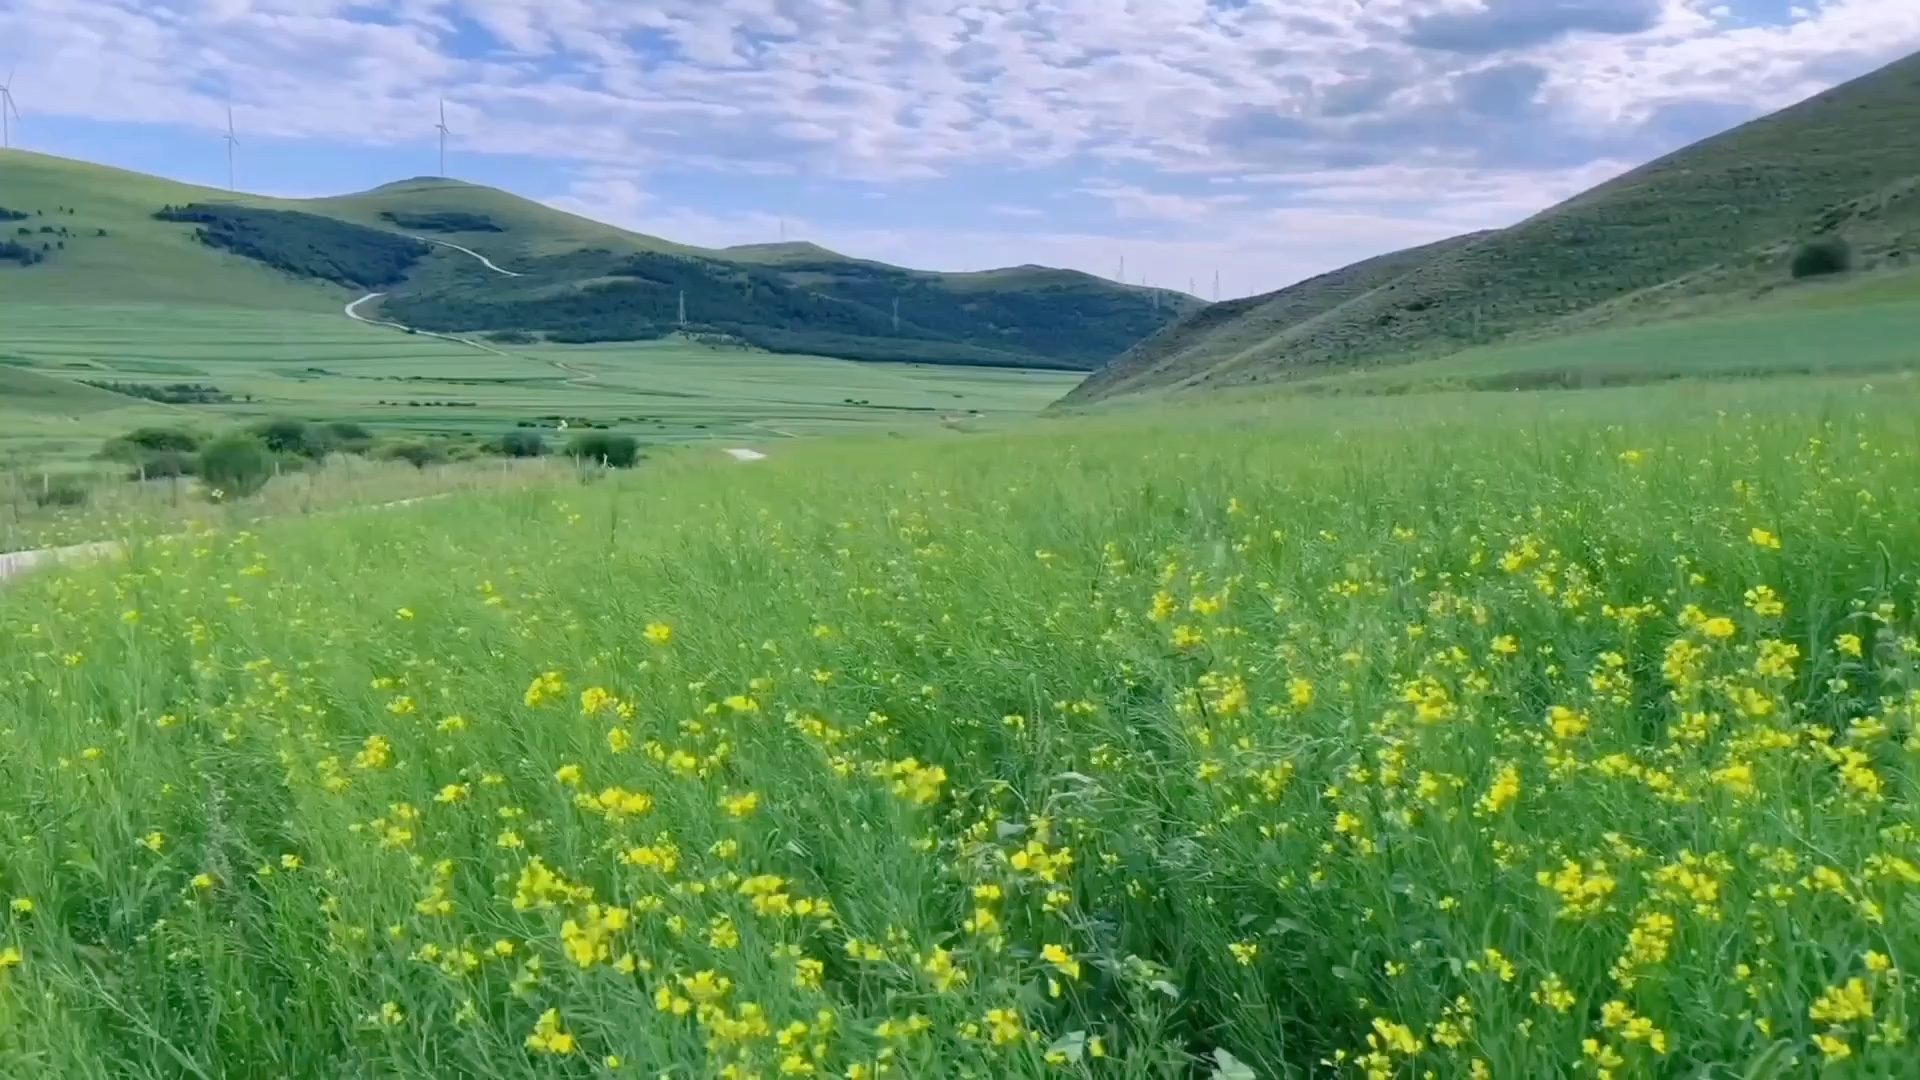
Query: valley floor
{"points": [[318, 366]]}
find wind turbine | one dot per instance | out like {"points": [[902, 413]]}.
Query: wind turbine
{"points": [[6, 106], [442, 128], [231, 143]]}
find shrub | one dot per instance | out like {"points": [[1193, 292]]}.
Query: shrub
{"points": [[1827, 255], [141, 444], [297, 437], [417, 454], [521, 444], [309, 245], [442, 221], [613, 451], [170, 394], [349, 437], [62, 491], [236, 465], [162, 464]]}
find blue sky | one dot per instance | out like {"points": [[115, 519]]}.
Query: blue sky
{"points": [[1267, 140]]}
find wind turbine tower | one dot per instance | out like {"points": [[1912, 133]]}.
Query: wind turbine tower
{"points": [[231, 143], [442, 128], [1216, 286], [7, 106]]}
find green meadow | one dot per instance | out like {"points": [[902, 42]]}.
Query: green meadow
{"points": [[1869, 326], [1249, 741], [323, 366]]}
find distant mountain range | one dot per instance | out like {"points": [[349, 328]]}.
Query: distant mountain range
{"points": [[461, 258]]}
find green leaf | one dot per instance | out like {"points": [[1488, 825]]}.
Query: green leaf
{"points": [[1073, 1044], [1228, 1067], [1773, 1062]]}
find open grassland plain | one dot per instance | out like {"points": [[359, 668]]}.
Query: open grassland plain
{"points": [[326, 367], [1455, 736]]}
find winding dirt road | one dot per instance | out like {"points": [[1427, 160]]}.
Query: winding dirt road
{"points": [[484, 261]]}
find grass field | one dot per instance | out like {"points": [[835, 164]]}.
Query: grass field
{"points": [[1255, 741], [116, 508], [1870, 328], [322, 366]]}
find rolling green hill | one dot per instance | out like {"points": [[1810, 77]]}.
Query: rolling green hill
{"points": [[1706, 229], [138, 258], [121, 237], [1220, 332]]}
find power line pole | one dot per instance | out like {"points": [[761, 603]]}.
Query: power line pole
{"points": [[896, 314], [683, 309]]}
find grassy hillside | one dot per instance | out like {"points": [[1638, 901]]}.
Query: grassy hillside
{"points": [[1707, 226], [572, 279], [138, 258], [1865, 327], [1218, 333], [822, 304], [526, 229]]}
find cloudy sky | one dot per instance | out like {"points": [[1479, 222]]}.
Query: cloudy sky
{"points": [[1264, 139]]}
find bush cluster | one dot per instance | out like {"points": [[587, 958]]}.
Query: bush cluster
{"points": [[1819, 258], [306, 245], [599, 447]]}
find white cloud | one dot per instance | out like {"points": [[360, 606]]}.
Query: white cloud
{"points": [[1332, 106]]}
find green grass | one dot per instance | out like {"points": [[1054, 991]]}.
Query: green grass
{"points": [[326, 367], [139, 259], [117, 509], [1219, 333], [1712, 225], [1832, 334], [1260, 735], [528, 229]]}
